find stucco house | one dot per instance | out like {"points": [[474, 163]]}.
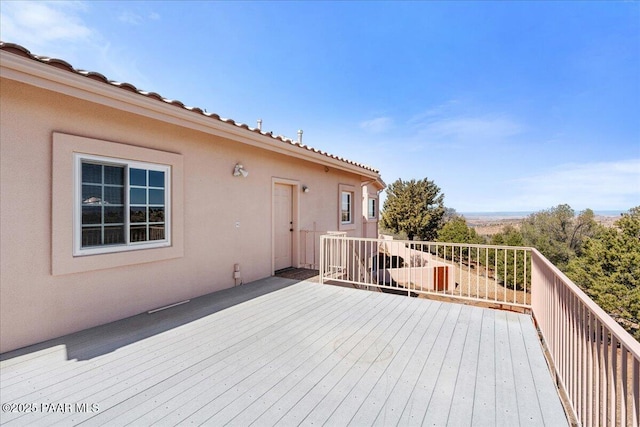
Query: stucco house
{"points": [[116, 201]]}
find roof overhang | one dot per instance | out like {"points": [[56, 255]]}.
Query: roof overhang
{"points": [[377, 183], [51, 77]]}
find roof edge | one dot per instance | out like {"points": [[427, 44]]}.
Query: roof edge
{"points": [[131, 95]]}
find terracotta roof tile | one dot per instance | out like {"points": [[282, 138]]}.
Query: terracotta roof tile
{"points": [[58, 63]]}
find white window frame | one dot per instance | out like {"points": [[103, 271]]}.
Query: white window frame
{"points": [[355, 207], [375, 207], [78, 250], [350, 210]]}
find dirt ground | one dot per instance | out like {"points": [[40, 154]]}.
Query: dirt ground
{"points": [[489, 226]]}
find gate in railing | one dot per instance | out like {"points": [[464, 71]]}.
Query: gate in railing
{"points": [[595, 361]]}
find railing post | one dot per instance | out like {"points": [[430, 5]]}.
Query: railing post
{"points": [[322, 254]]}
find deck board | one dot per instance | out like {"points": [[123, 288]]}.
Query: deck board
{"points": [[388, 400], [282, 352], [550, 406], [523, 378], [362, 360], [460, 411], [506, 403], [446, 385], [484, 402], [381, 374], [418, 404]]}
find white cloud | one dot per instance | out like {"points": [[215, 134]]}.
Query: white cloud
{"points": [[446, 109], [469, 129], [599, 186], [458, 124], [59, 29], [129, 17], [40, 24], [132, 18], [377, 125]]}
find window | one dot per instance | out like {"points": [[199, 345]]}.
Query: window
{"points": [[120, 205], [372, 208], [67, 251], [346, 213]]}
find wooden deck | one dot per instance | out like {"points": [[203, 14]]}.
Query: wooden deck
{"points": [[281, 352]]}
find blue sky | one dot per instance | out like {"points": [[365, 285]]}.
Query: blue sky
{"points": [[507, 106]]}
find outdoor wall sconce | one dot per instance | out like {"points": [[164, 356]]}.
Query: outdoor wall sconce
{"points": [[305, 189], [239, 170]]}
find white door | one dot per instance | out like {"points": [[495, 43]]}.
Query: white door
{"points": [[282, 225]]}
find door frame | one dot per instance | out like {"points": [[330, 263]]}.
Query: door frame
{"points": [[295, 214]]}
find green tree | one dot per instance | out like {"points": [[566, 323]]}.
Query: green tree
{"points": [[510, 265], [456, 230], [558, 233], [608, 270], [413, 207], [509, 236], [449, 214]]}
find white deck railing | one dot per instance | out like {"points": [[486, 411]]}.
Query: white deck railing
{"points": [[499, 275], [310, 248], [595, 361]]}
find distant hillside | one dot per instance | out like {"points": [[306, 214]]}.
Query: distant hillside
{"points": [[488, 224]]}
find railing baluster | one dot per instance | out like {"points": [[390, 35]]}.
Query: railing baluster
{"points": [[468, 268], [589, 370], [614, 379], [478, 266], [599, 370], [515, 274], [565, 340], [624, 392], [635, 410], [584, 340], [459, 267], [506, 277], [495, 273], [572, 350], [486, 273]]}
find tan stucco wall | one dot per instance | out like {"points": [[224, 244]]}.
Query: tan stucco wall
{"points": [[370, 225], [36, 305]]}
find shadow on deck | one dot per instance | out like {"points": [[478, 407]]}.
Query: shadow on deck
{"points": [[103, 339]]}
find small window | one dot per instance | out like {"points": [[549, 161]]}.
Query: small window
{"points": [[372, 209], [121, 205], [346, 212]]}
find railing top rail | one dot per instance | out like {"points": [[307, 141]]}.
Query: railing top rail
{"points": [[426, 243], [632, 345]]}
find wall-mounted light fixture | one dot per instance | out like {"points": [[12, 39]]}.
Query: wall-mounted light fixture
{"points": [[239, 170], [305, 189]]}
